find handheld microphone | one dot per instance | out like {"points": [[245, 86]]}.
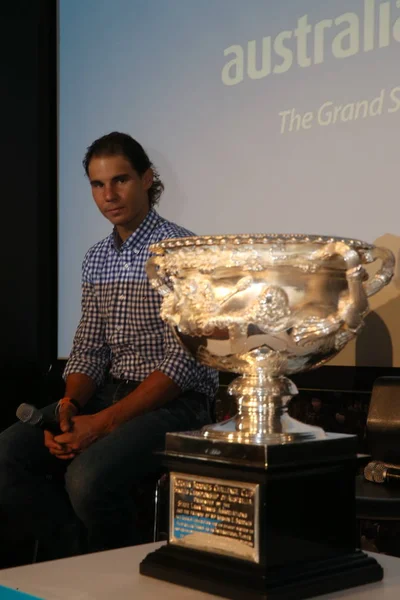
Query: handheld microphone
{"points": [[379, 472], [30, 415]]}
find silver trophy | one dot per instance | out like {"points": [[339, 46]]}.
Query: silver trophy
{"points": [[266, 307], [262, 505]]}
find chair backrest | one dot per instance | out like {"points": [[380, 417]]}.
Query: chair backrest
{"points": [[383, 421]]}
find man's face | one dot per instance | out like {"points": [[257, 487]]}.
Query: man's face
{"points": [[119, 192]]}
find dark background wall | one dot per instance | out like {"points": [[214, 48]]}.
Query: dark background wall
{"points": [[28, 240]]}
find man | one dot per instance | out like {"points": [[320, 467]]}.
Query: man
{"points": [[127, 381]]}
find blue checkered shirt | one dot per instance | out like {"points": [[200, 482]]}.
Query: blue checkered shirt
{"points": [[121, 330]]}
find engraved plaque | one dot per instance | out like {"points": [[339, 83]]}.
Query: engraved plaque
{"points": [[215, 515]]}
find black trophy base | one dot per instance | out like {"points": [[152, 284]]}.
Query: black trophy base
{"points": [[238, 580], [286, 530]]}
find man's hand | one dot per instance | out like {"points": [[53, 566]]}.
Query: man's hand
{"points": [[66, 412], [86, 429], [58, 450]]}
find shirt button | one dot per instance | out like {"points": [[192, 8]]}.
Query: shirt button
{"points": [[127, 265], [136, 250], [118, 328], [122, 297]]}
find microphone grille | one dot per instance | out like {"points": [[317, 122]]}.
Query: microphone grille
{"points": [[28, 414]]}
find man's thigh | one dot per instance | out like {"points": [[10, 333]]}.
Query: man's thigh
{"points": [[127, 453], [23, 444]]}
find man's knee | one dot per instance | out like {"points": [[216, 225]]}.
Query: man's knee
{"points": [[11, 464], [23, 455], [12, 443], [6, 472]]}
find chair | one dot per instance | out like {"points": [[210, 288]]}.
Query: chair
{"points": [[151, 498], [160, 527], [378, 504], [383, 421]]}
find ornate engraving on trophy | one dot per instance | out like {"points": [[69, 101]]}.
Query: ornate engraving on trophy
{"points": [[265, 306], [214, 515]]}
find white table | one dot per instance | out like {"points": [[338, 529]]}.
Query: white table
{"points": [[114, 575]]}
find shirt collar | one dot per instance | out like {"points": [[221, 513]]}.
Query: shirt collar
{"points": [[140, 236]]}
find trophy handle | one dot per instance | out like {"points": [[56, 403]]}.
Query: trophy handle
{"points": [[157, 277], [385, 273], [352, 305]]}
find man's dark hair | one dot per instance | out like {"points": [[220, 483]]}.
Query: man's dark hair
{"points": [[122, 144]]}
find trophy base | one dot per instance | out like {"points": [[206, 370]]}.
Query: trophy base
{"points": [[216, 444], [282, 528], [237, 580]]}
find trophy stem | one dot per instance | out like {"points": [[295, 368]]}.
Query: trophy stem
{"points": [[262, 402], [262, 416]]}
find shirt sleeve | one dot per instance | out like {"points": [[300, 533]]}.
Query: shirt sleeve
{"points": [[89, 355], [178, 364]]}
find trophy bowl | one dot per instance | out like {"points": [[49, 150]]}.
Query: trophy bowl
{"points": [[265, 307]]}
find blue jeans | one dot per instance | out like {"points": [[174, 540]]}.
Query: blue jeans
{"points": [[56, 500]]}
